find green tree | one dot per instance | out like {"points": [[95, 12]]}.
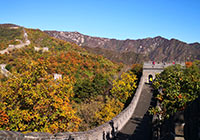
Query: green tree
{"points": [[178, 87]]}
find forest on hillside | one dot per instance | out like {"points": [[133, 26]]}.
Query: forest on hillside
{"points": [[88, 94], [10, 36]]}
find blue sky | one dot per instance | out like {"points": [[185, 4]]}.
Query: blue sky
{"points": [[119, 19]]}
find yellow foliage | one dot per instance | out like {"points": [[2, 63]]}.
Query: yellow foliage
{"points": [[124, 88], [109, 110], [31, 104]]}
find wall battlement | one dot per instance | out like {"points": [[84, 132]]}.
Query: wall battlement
{"points": [[159, 65]]}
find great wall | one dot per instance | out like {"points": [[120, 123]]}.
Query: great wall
{"points": [[110, 129], [21, 45], [121, 124]]}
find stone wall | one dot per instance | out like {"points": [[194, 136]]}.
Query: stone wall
{"points": [[192, 120], [21, 45], [44, 49], [103, 132], [4, 71], [152, 69]]}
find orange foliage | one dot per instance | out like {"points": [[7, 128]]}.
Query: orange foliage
{"points": [[33, 101], [188, 64], [3, 118]]}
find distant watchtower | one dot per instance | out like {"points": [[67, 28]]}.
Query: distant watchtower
{"points": [[57, 76], [151, 69]]}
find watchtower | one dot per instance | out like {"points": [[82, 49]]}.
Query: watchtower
{"points": [[150, 69]]}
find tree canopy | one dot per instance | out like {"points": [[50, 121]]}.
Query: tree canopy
{"points": [[178, 86]]}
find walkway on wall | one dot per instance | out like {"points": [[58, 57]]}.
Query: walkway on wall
{"points": [[139, 125]]}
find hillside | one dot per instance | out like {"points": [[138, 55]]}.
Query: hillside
{"points": [[65, 57], [128, 57], [33, 100], [10, 35], [154, 49]]}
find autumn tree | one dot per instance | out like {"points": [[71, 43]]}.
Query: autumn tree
{"points": [[125, 87], [33, 101], [87, 88], [109, 110]]}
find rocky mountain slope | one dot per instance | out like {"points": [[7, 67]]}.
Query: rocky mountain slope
{"points": [[131, 51]]}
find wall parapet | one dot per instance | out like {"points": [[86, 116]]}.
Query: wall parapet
{"points": [[102, 132], [160, 65]]}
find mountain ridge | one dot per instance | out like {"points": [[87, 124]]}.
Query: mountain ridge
{"points": [[148, 48], [126, 51]]}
